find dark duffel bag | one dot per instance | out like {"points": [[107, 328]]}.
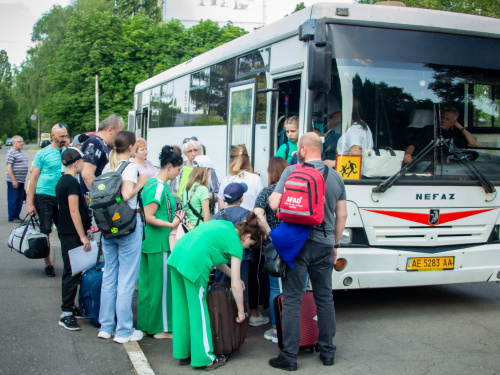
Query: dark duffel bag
{"points": [[227, 334]]}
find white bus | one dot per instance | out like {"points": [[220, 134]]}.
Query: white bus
{"points": [[402, 66]]}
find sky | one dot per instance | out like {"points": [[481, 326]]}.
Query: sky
{"points": [[17, 18]]}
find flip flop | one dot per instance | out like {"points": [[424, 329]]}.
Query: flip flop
{"points": [[162, 335], [218, 362]]}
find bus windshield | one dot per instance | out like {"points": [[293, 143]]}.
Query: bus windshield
{"points": [[404, 97]]}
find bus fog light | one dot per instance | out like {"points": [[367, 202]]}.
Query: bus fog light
{"points": [[346, 238], [340, 265], [347, 281], [498, 275]]}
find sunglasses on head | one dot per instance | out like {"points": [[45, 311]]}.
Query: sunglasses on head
{"points": [[62, 126], [233, 146], [189, 139]]}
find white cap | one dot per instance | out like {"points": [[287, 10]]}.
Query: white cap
{"points": [[202, 161]]}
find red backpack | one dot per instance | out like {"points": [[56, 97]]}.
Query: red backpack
{"points": [[303, 198]]}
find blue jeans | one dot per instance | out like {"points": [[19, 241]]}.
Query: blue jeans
{"points": [[122, 258], [15, 199]]}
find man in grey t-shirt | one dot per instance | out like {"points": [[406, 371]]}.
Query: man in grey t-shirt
{"points": [[16, 164], [318, 255]]}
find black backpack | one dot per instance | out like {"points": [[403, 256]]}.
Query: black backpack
{"points": [[112, 214]]}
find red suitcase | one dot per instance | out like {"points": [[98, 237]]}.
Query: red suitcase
{"points": [[308, 322]]}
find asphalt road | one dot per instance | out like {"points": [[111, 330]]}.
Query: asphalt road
{"points": [[451, 329]]}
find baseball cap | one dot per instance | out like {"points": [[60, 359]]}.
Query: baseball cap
{"points": [[70, 155], [202, 161], [234, 191]]}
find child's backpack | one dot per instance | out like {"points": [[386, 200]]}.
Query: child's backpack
{"points": [[112, 214], [303, 198]]}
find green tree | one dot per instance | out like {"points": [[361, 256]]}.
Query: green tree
{"points": [[5, 69], [299, 6]]}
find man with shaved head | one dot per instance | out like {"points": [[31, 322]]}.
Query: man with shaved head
{"points": [[44, 177], [318, 255]]}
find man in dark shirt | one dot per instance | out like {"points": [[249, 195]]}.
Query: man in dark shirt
{"points": [[96, 150], [450, 129]]}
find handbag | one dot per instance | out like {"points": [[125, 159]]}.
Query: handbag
{"points": [[381, 162], [274, 264], [26, 240], [181, 229]]}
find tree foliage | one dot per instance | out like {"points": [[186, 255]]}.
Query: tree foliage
{"points": [[120, 41]]}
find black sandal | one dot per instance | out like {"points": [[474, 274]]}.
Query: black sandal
{"points": [[185, 361], [218, 362]]}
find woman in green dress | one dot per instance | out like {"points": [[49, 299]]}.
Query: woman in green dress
{"points": [[154, 304]]}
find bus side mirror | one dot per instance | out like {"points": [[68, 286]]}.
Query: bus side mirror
{"points": [[319, 66]]}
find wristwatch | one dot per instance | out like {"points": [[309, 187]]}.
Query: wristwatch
{"points": [[462, 130], [336, 246]]}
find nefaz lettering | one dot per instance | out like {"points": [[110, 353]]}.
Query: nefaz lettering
{"points": [[435, 196]]}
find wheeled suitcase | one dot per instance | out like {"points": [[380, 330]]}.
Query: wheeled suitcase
{"points": [[227, 334], [309, 330], [89, 297]]}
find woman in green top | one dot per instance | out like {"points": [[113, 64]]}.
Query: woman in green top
{"points": [[154, 304], [194, 255], [195, 199]]}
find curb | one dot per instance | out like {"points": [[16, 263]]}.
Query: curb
{"points": [[138, 359]]}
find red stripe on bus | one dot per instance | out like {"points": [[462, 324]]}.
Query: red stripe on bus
{"points": [[424, 218]]}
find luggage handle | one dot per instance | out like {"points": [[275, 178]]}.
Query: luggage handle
{"points": [[30, 221]]}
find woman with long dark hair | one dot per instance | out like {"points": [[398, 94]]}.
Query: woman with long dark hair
{"points": [[122, 254]]}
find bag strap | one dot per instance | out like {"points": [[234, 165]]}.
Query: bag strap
{"points": [[169, 205], [287, 150], [188, 203], [223, 214], [123, 165], [99, 253]]}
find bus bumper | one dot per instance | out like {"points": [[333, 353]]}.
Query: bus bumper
{"points": [[382, 268]]}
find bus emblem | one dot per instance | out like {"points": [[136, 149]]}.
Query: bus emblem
{"points": [[434, 217]]}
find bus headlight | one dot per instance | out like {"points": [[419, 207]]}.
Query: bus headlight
{"points": [[346, 237]]}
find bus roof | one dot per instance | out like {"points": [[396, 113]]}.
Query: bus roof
{"points": [[358, 14]]}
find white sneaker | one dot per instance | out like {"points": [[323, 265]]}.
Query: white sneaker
{"points": [[258, 320], [104, 335], [135, 336], [271, 335]]}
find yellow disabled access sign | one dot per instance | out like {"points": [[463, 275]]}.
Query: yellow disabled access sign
{"points": [[349, 166]]}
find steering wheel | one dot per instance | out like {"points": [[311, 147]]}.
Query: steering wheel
{"points": [[470, 155]]}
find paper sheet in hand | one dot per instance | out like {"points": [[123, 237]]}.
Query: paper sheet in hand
{"points": [[81, 260]]}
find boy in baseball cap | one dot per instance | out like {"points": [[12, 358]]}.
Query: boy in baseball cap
{"points": [[74, 221]]}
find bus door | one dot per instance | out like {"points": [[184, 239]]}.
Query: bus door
{"points": [[142, 132], [286, 105], [131, 120], [241, 117]]}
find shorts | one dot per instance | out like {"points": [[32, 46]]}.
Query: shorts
{"points": [[48, 212]]}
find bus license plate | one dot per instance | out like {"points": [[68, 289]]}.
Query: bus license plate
{"points": [[430, 264]]}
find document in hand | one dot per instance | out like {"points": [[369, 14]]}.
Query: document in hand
{"points": [[81, 260]]}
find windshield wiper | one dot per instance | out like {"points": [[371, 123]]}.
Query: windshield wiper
{"points": [[453, 150], [467, 164], [384, 185]]}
